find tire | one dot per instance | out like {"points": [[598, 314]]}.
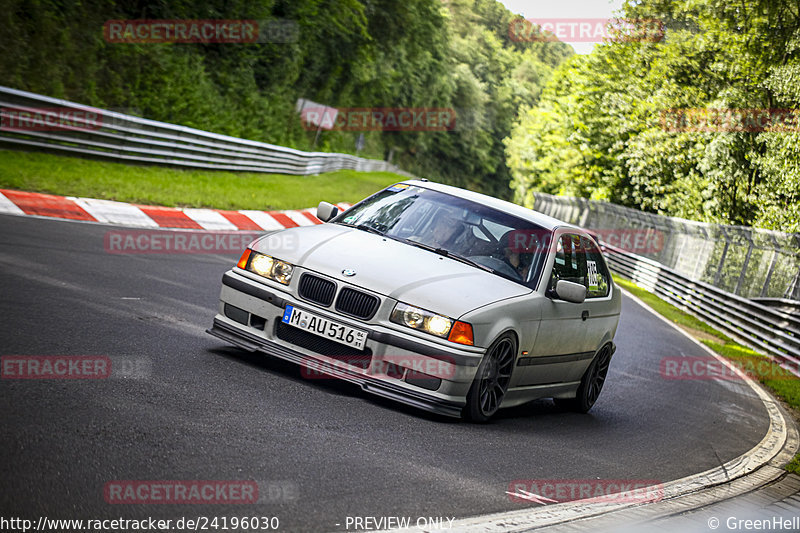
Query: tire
{"points": [[591, 383], [492, 379]]}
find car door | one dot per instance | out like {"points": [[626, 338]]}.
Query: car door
{"points": [[603, 310], [561, 351]]}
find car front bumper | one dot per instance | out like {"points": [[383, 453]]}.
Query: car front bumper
{"points": [[249, 317]]}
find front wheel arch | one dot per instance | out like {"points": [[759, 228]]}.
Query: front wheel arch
{"points": [[492, 378]]}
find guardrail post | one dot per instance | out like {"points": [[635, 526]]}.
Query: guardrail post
{"points": [[744, 267], [707, 241], [718, 275], [793, 292], [665, 244], [769, 270], [679, 254]]}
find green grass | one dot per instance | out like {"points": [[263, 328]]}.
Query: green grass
{"points": [[155, 185], [794, 464], [782, 383]]}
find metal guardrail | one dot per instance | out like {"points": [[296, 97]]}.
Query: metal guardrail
{"points": [[749, 262], [123, 137], [787, 306], [742, 281], [763, 328]]}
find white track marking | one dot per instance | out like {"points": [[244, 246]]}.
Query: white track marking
{"points": [[262, 219], [210, 219], [299, 218], [9, 207], [115, 212], [310, 211]]}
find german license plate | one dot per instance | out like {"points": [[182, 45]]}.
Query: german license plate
{"points": [[323, 327]]}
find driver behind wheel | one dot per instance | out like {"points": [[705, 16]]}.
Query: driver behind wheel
{"points": [[520, 262], [443, 231]]}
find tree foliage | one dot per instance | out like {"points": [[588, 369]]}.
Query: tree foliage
{"points": [[350, 53], [599, 131]]}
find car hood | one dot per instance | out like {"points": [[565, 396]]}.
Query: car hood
{"points": [[390, 268]]}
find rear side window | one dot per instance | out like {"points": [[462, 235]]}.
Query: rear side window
{"points": [[597, 277]]}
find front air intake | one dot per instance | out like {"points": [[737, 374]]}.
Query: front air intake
{"points": [[356, 303], [316, 289]]}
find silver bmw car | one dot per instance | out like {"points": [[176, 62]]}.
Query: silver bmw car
{"points": [[434, 296]]}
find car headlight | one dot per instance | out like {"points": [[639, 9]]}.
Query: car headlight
{"points": [[432, 323], [266, 266]]}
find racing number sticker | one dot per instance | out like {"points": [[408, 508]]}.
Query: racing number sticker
{"points": [[591, 267]]}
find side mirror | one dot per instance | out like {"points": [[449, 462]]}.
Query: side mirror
{"points": [[326, 211], [569, 291]]}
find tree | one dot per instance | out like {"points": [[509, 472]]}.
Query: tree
{"points": [[604, 126]]}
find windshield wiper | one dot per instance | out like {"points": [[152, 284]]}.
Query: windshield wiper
{"points": [[363, 227], [369, 229], [424, 246], [467, 260], [447, 253]]}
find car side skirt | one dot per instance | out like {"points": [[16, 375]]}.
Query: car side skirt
{"points": [[521, 395]]}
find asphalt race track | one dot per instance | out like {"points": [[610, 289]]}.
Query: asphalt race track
{"points": [[319, 450]]}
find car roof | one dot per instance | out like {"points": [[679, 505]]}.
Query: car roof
{"points": [[545, 221]]}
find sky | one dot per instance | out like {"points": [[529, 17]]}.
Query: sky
{"points": [[566, 9]]}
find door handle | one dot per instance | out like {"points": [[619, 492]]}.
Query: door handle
{"points": [[585, 314]]}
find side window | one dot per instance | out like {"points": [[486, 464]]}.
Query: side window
{"points": [[570, 261], [596, 273]]}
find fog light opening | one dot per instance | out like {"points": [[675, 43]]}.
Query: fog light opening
{"points": [[258, 322]]}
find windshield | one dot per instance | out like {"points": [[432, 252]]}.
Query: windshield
{"points": [[454, 227]]}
